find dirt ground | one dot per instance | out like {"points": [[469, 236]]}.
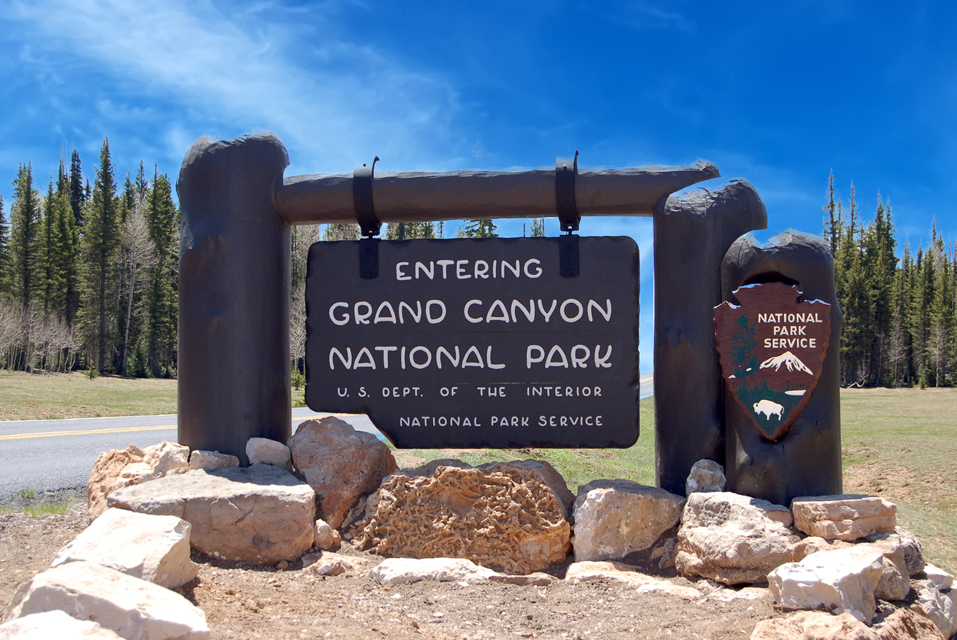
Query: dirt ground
{"points": [[246, 601]]}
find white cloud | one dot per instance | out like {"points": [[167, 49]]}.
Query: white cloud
{"points": [[329, 100]]}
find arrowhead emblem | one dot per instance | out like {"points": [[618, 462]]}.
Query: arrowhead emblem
{"points": [[772, 350]]}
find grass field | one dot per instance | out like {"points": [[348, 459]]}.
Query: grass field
{"points": [[47, 396], [897, 443]]}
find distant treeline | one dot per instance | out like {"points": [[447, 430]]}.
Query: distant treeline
{"points": [[88, 280], [899, 312], [88, 275]]}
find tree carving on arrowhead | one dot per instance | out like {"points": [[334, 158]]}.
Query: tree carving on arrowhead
{"points": [[772, 349]]}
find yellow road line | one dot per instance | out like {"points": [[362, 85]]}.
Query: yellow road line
{"points": [[53, 434], [646, 380]]}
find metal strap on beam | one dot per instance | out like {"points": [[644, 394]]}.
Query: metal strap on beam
{"points": [[365, 216], [566, 171]]}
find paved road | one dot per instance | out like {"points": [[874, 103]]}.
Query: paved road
{"points": [[46, 455]]}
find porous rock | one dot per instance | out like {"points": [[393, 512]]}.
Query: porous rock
{"points": [[705, 475], [731, 538], [913, 552], [616, 517], [106, 471], [937, 606], [266, 451], [54, 624], [130, 607], [341, 464], [904, 624], [840, 581], [259, 514], [505, 516], [150, 547], [606, 570], [819, 625], [115, 469], [893, 585], [844, 517], [407, 570], [326, 537], [211, 460]]}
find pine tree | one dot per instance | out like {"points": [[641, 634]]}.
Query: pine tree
{"points": [[833, 221], [24, 236], [899, 343], [922, 293], [484, 228], [880, 265], [940, 315], [536, 229], [77, 193], [51, 280], [101, 238], [4, 254], [128, 200], [142, 184], [162, 220]]}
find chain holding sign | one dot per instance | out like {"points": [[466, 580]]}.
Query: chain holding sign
{"points": [[478, 342]]}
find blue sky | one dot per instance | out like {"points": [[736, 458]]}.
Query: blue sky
{"points": [[778, 93]]}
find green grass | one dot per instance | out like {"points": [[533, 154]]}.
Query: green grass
{"points": [[47, 509], [902, 444], [26, 396]]}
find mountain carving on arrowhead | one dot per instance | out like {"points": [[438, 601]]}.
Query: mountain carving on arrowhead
{"points": [[789, 360]]}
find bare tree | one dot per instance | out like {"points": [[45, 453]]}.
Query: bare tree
{"points": [[138, 261]]}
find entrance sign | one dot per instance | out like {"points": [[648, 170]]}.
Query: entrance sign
{"points": [[478, 342], [772, 351]]}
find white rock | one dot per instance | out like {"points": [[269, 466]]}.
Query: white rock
{"points": [[940, 608], [407, 570], [54, 625], [732, 595], [153, 548], [326, 537], [267, 451], [211, 460], [591, 570], [159, 460], [616, 517], [844, 517], [258, 514], [732, 539], [839, 581], [333, 564], [705, 475], [132, 608], [941, 579]]}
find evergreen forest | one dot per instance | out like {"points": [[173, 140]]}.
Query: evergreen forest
{"points": [[88, 279]]}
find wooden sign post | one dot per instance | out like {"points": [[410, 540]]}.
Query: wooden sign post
{"points": [[478, 343]]}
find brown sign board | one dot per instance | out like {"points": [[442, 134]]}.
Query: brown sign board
{"points": [[478, 342], [772, 349]]}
